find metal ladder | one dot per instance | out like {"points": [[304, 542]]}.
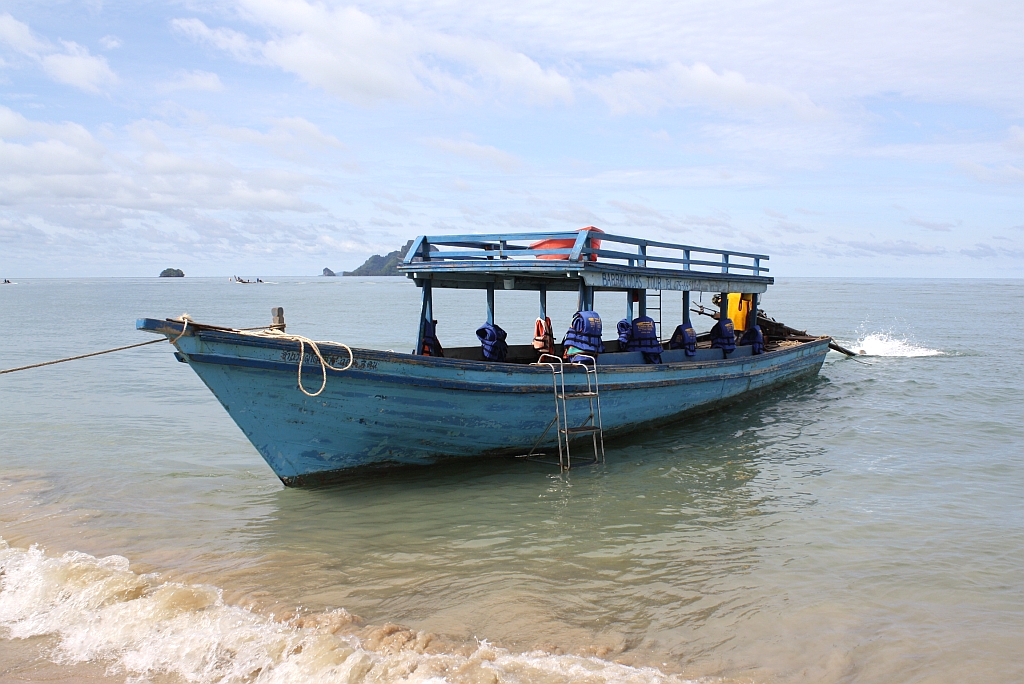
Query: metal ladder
{"points": [[591, 425], [651, 294]]}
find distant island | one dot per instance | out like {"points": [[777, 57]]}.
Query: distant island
{"points": [[386, 265], [329, 273], [172, 273]]}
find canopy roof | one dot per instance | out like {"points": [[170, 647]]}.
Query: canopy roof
{"points": [[560, 260]]}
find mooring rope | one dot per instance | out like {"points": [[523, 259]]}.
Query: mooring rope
{"points": [[80, 356], [262, 332]]}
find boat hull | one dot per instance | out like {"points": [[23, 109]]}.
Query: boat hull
{"points": [[393, 408]]}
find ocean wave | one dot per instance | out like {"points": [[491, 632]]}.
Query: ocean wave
{"points": [[102, 611], [884, 344]]}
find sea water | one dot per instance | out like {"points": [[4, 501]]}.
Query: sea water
{"points": [[864, 525]]}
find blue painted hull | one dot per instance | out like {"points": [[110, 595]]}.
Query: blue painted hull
{"points": [[397, 408]]}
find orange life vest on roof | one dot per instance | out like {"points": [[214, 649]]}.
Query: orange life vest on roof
{"points": [[552, 243]]}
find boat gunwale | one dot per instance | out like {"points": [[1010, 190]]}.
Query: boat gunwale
{"points": [[607, 385], [233, 336], [542, 373]]}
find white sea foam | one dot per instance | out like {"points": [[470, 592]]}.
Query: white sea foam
{"points": [[884, 344], [102, 611]]}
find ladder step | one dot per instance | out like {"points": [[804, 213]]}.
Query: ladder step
{"points": [[578, 395], [581, 429]]}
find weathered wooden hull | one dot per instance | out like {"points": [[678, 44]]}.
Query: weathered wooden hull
{"points": [[391, 408]]}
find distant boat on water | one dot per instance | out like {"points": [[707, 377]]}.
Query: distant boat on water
{"points": [[243, 281]]}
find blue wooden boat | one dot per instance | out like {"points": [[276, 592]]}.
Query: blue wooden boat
{"points": [[380, 408]]}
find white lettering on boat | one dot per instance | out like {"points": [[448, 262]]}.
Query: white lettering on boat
{"points": [[332, 359]]}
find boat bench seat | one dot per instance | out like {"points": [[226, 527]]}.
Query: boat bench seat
{"points": [[524, 353], [670, 356]]}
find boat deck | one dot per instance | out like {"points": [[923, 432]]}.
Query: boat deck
{"points": [[526, 354]]}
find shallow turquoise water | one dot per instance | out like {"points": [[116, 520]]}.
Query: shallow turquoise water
{"points": [[866, 525]]}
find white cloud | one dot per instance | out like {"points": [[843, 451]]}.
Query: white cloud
{"points": [[362, 59], [686, 176], [290, 137], [931, 50], [49, 166], [19, 37], [194, 80], [110, 42], [641, 215], [980, 251], [937, 226], [151, 190], [233, 42], [76, 67], [482, 154], [998, 174], [898, 248], [73, 66], [1016, 139], [512, 71], [646, 91]]}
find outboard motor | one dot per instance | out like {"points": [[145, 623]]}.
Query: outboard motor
{"points": [[431, 347], [723, 336], [583, 336], [755, 339], [685, 338], [644, 338], [492, 341]]}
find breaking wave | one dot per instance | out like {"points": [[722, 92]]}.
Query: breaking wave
{"points": [[884, 344], [99, 610]]}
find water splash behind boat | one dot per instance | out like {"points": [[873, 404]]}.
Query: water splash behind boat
{"points": [[885, 344]]}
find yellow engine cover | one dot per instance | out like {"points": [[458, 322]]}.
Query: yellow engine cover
{"points": [[739, 309]]}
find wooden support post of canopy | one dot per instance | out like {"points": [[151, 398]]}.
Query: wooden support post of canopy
{"points": [[426, 315], [490, 303]]}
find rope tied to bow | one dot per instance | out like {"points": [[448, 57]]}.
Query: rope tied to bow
{"points": [[314, 346]]}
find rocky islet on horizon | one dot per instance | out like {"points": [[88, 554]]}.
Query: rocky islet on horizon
{"points": [[386, 265]]}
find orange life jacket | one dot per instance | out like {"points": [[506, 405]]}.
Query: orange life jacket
{"points": [[543, 338], [552, 243]]}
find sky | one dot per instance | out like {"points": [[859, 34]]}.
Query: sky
{"points": [[279, 137]]}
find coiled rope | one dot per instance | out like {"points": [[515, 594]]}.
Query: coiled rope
{"points": [[303, 341]]}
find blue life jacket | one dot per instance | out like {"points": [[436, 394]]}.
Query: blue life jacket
{"points": [[723, 336], [644, 338], [625, 331], [584, 334], [492, 341], [685, 338], [755, 339], [431, 347]]}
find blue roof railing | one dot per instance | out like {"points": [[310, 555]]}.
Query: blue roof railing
{"points": [[502, 247]]}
